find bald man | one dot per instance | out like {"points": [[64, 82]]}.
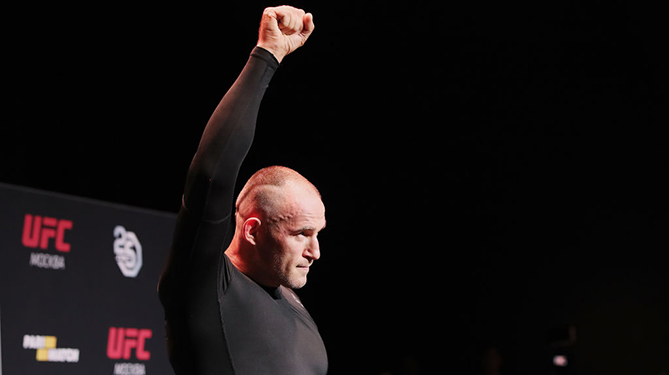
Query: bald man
{"points": [[229, 304]]}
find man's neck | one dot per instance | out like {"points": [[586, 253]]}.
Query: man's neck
{"points": [[241, 262]]}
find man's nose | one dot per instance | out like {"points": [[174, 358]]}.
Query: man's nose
{"points": [[313, 252]]}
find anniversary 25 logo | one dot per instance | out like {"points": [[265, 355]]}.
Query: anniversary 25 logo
{"points": [[128, 251], [46, 233]]}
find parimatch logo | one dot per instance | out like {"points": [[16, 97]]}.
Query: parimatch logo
{"points": [[47, 350]]}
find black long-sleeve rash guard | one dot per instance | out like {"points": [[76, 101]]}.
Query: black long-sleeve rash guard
{"points": [[218, 320]]}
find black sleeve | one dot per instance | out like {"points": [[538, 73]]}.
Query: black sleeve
{"points": [[226, 140], [205, 215]]}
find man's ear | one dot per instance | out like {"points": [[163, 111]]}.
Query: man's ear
{"points": [[250, 229]]}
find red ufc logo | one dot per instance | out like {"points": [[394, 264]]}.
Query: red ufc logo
{"points": [[122, 340], [38, 230]]}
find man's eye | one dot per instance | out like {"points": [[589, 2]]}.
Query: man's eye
{"points": [[304, 233]]}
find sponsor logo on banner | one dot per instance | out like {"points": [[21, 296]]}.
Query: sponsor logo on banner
{"points": [[128, 251], [47, 351], [46, 233], [121, 343]]}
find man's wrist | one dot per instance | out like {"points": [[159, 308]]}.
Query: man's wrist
{"points": [[264, 54], [276, 55]]}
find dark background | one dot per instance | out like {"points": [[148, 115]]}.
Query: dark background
{"points": [[490, 170], [81, 301]]}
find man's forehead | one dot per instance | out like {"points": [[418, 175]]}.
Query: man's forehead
{"points": [[298, 204], [315, 222], [306, 213], [303, 197]]}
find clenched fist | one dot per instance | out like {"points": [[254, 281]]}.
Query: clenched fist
{"points": [[284, 29]]}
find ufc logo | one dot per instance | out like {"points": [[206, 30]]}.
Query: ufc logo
{"points": [[38, 230], [122, 340]]}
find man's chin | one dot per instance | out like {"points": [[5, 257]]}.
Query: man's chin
{"points": [[295, 282]]}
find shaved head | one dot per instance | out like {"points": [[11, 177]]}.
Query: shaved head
{"points": [[268, 192], [279, 214]]}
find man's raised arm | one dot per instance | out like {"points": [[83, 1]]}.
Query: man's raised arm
{"points": [[229, 132], [227, 138]]}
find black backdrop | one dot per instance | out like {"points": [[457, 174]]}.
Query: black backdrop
{"points": [[79, 285], [490, 170]]}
